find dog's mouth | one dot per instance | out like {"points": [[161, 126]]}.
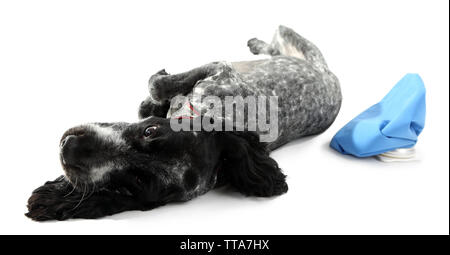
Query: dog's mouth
{"points": [[89, 152], [69, 173], [73, 172], [68, 143]]}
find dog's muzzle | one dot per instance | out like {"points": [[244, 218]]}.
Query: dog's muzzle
{"points": [[69, 144]]}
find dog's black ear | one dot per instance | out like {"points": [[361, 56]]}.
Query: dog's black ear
{"points": [[247, 166]]}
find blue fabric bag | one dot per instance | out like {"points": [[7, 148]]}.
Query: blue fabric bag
{"points": [[395, 122]]}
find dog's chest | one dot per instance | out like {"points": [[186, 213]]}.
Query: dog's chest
{"points": [[207, 93]]}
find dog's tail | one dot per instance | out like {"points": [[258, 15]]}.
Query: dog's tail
{"points": [[287, 42]]}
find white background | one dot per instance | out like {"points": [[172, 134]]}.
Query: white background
{"points": [[64, 63]]}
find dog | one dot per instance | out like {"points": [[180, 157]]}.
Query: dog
{"points": [[115, 167]]}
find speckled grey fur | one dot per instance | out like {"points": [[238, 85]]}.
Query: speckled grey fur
{"points": [[309, 96]]}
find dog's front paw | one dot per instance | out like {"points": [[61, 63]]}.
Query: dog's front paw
{"points": [[52, 202], [59, 200], [148, 108], [42, 207], [255, 45], [156, 86]]}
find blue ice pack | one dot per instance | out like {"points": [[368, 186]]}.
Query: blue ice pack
{"points": [[395, 122]]}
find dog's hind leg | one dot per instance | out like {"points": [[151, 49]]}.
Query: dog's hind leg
{"points": [[258, 47], [288, 43]]}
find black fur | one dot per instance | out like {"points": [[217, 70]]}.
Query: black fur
{"points": [[249, 168], [147, 180]]}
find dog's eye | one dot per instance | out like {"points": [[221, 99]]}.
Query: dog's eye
{"points": [[150, 131]]}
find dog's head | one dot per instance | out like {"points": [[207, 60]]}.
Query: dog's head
{"points": [[144, 158], [150, 160]]}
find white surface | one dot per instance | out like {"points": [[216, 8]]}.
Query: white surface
{"points": [[64, 63]]}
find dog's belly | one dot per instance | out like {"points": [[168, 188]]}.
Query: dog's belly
{"points": [[308, 100], [245, 67]]}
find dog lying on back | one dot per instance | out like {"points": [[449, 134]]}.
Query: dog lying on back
{"points": [[115, 167]]}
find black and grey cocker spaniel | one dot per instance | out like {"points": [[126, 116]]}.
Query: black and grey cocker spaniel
{"points": [[115, 167]]}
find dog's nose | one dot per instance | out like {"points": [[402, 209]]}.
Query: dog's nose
{"points": [[71, 134], [66, 140]]}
